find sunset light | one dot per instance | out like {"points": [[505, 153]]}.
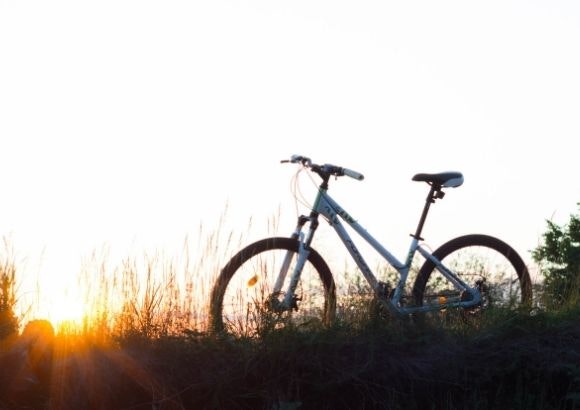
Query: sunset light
{"points": [[137, 134], [67, 309], [146, 144]]}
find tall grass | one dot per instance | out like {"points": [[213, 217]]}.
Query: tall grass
{"points": [[153, 294], [145, 345]]}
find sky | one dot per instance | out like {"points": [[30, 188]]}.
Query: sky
{"points": [[129, 124]]}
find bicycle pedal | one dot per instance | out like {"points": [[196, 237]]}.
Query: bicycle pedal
{"points": [[295, 300]]}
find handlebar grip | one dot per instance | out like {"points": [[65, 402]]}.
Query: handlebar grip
{"points": [[300, 159], [353, 174]]}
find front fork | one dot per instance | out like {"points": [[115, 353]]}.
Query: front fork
{"points": [[290, 299]]}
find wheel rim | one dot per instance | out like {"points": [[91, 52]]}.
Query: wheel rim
{"points": [[484, 268], [247, 308]]}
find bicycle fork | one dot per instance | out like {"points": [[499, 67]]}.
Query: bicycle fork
{"points": [[290, 300]]}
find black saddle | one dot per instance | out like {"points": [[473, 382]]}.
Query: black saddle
{"points": [[443, 179]]}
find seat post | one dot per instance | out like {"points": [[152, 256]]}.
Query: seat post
{"points": [[434, 193]]}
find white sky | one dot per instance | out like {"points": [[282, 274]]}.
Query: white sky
{"points": [[128, 123]]}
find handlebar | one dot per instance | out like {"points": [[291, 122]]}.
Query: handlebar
{"points": [[325, 170], [353, 174]]}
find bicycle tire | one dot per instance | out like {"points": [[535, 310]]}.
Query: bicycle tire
{"points": [[522, 292], [225, 317]]}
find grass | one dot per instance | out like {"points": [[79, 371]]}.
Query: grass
{"points": [[146, 347], [515, 362]]}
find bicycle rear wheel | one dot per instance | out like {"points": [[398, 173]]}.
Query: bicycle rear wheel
{"points": [[242, 298], [480, 261]]}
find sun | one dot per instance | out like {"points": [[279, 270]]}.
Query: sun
{"points": [[63, 305], [65, 311]]}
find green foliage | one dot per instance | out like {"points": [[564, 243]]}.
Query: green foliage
{"points": [[559, 257]]}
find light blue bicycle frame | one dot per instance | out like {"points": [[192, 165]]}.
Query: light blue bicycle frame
{"points": [[329, 208]]}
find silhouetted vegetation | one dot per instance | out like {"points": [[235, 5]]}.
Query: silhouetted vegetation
{"points": [[8, 319], [559, 257], [514, 361], [146, 347]]}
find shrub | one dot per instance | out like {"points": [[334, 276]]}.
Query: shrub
{"points": [[559, 258], [8, 320]]}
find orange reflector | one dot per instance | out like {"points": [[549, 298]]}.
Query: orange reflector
{"points": [[253, 280]]}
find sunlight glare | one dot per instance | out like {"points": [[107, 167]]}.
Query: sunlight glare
{"points": [[66, 309]]}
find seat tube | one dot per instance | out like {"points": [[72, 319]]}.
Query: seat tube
{"points": [[430, 199]]}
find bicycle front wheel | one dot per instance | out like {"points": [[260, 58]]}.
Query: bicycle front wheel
{"points": [[243, 298], [480, 261]]}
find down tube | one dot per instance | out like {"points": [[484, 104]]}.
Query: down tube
{"points": [[358, 258]]}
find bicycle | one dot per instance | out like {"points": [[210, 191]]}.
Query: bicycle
{"points": [[284, 280]]}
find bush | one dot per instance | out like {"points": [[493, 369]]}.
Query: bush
{"points": [[8, 320], [559, 258]]}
